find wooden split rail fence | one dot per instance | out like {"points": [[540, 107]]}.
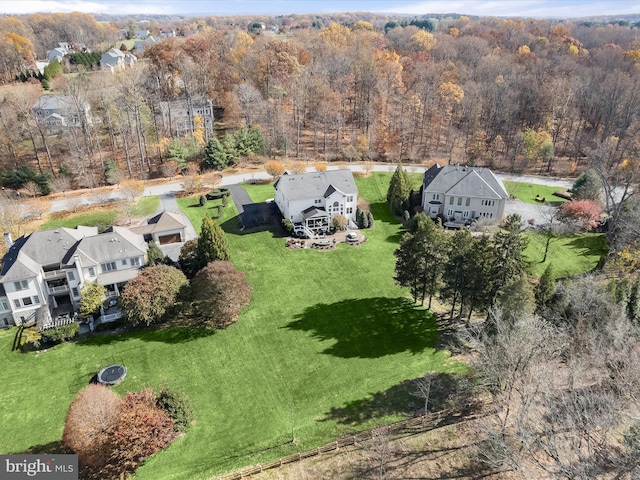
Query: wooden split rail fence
{"points": [[433, 420]]}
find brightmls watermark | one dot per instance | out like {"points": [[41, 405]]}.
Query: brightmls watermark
{"points": [[49, 467]]}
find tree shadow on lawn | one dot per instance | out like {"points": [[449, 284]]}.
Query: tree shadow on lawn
{"points": [[589, 245], [369, 327], [401, 399], [172, 335], [47, 448]]}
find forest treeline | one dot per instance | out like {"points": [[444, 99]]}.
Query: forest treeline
{"points": [[533, 95]]}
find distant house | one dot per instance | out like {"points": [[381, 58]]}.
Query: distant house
{"points": [[140, 45], [58, 111], [114, 60], [462, 194], [57, 53], [142, 34], [178, 116], [167, 33], [314, 199], [43, 272], [164, 228]]}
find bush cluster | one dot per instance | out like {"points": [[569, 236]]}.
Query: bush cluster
{"points": [[60, 334]]}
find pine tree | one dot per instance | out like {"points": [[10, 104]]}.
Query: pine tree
{"points": [[212, 244], [456, 269], [407, 264], [475, 289], [370, 217], [634, 302], [508, 261], [215, 155], [154, 254], [399, 191], [546, 288]]}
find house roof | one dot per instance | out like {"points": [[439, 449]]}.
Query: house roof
{"points": [[54, 102], [58, 246], [464, 181], [114, 53], [314, 212], [162, 222], [316, 184], [117, 244], [46, 247]]}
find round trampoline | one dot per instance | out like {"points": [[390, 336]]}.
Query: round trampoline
{"points": [[112, 375]]}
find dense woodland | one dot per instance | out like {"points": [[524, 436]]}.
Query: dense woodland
{"points": [[518, 95]]}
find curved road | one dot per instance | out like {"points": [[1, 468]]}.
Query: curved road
{"points": [[167, 191]]}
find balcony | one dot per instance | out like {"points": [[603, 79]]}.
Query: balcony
{"points": [[59, 289], [51, 274]]}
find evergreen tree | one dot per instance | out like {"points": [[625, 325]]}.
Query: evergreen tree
{"points": [[364, 220], [634, 302], [154, 254], [474, 291], [188, 258], [546, 288], [587, 186], [215, 155], [370, 218], [456, 269], [421, 259], [517, 299], [399, 191], [508, 263], [212, 244]]}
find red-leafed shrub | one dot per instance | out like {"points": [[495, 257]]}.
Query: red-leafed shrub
{"points": [[142, 429], [585, 214]]}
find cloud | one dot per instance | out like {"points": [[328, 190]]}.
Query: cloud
{"points": [[97, 6], [526, 8]]}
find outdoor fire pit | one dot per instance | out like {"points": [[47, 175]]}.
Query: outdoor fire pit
{"points": [[112, 375]]}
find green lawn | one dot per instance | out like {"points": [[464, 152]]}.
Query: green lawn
{"points": [[104, 217], [322, 349], [527, 192], [569, 254]]}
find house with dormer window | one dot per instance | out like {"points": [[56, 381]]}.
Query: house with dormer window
{"points": [[461, 194], [313, 199], [43, 272]]}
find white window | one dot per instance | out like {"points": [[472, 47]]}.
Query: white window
{"points": [[450, 200], [71, 276], [92, 272], [350, 198], [349, 210], [17, 303], [135, 261], [449, 212], [107, 267], [317, 201], [459, 200], [466, 214], [74, 290], [21, 285], [27, 301], [36, 300], [468, 202], [124, 262], [4, 305], [436, 196]]}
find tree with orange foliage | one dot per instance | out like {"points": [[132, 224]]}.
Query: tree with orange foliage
{"points": [[90, 422], [274, 168]]}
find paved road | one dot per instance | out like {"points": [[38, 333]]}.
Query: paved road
{"points": [[167, 192]]}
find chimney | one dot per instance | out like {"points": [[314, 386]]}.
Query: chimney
{"points": [[8, 240], [76, 257]]}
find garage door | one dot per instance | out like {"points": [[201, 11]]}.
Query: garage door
{"points": [[165, 239]]}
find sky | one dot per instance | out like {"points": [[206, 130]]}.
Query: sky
{"points": [[500, 8]]}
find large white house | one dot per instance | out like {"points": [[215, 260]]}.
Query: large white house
{"points": [[43, 272], [462, 194], [114, 60], [313, 199], [55, 111]]}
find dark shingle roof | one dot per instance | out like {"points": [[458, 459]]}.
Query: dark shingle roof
{"points": [[316, 184], [462, 180]]}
